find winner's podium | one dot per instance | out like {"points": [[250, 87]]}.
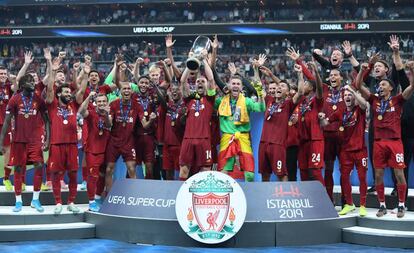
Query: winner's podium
{"points": [[278, 213]]}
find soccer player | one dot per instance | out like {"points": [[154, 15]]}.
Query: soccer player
{"points": [[311, 148], [124, 113], [172, 114], [63, 155], [29, 112], [5, 94], [196, 146], [332, 102], [388, 149], [234, 111], [279, 107], [353, 151], [99, 129], [145, 139]]}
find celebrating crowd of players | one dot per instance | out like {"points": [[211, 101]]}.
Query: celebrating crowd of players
{"points": [[186, 114]]}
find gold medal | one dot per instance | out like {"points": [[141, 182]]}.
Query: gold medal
{"points": [[196, 114], [269, 117], [303, 119], [145, 113], [290, 123], [26, 115], [65, 122], [172, 123], [341, 128], [124, 124], [100, 132], [380, 117], [231, 118], [334, 107]]}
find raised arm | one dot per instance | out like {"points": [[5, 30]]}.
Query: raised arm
{"points": [[359, 100], [214, 46], [394, 44], [167, 76], [295, 56], [317, 54], [46, 121], [28, 59], [83, 109], [83, 84], [169, 43], [267, 72], [408, 92], [184, 83], [346, 46], [50, 91], [301, 84], [359, 79], [137, 67], [319, 84]]}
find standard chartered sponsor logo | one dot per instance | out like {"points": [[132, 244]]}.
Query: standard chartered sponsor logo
{"points": [[140, 201], [153, 29]]}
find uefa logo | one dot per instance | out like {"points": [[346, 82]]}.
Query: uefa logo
{"points": [[211, 207]]}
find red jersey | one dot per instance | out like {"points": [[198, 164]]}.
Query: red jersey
{"points": [[332, 102], [173, 128], [124, 120], [98, 134], [293, 132], [63, 122], [351, 128], [387, 116], [276, 117], [28, 121], [5, 94], [199, 113], [99, 89], [39, 88], [147, 104], [309, 128]]}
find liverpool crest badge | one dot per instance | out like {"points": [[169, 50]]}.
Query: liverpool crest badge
{"points": [[211, 207]]}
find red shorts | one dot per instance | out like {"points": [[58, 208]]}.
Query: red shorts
{"points": [[94, 160], [310, 155], [170, 157], [272, 157], [349, 159], [95, 163], [145, 148], [22, 154], [7, 137], [196, 152], [332, 148], [388, 153], [113, 152], [63, 157]]}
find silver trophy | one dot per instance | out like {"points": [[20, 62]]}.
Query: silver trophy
{"points": [[200, 43]]}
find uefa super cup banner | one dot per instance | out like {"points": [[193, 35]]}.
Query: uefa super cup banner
{"points": [[211, 207]]}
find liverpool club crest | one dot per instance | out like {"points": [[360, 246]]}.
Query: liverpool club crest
{"points": [[211, 207]]}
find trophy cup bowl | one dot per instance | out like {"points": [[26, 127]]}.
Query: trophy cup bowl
{"points": [[200, 43]]}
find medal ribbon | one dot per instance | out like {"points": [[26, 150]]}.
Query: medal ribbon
{"points": [[306, 105], [336, 95], [384, 105], [124, 114], [346, 117], [64, 112], [197, 105], [144, 102], [100, 124], [174, 110], [27, 105]]}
